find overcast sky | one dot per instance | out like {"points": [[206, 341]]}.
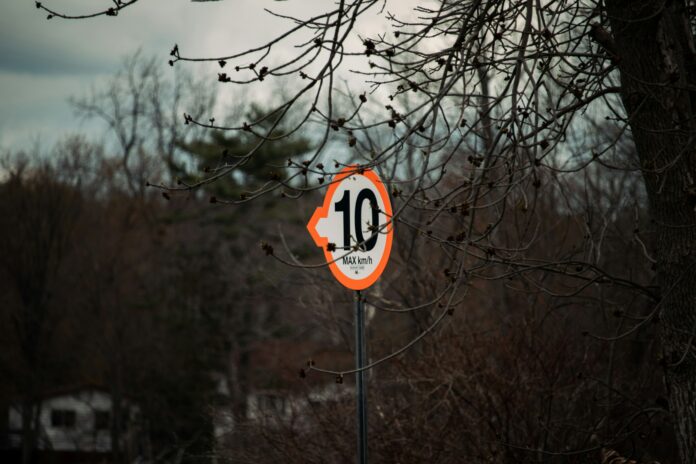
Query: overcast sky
{"points": [[43, 63]]}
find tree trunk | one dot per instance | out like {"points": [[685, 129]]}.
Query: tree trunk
{"points": [[116, 425], [657, 64], [27, 430]]}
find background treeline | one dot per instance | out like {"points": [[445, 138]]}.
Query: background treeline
{"points": [[107, 283], [155, 296]]}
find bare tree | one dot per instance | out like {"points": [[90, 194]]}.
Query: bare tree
{"points": [[38, 215], [503, 96], [141, 111]]}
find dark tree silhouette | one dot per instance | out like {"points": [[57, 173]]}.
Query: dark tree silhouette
{"points": [[38, 215]]}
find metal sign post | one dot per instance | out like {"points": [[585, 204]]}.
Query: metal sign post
{"points": [[360, 377], [354, 229]]}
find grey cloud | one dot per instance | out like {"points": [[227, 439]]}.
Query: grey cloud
{"points": [[42, 60], [42, 63]]}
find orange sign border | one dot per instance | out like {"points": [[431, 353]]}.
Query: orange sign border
{"points": [[323, 242]]}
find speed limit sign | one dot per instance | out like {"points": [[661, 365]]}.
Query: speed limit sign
{"points": [[354, 227]]}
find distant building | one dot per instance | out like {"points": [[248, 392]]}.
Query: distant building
{"points": [[75, 424], [276, 394]]}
